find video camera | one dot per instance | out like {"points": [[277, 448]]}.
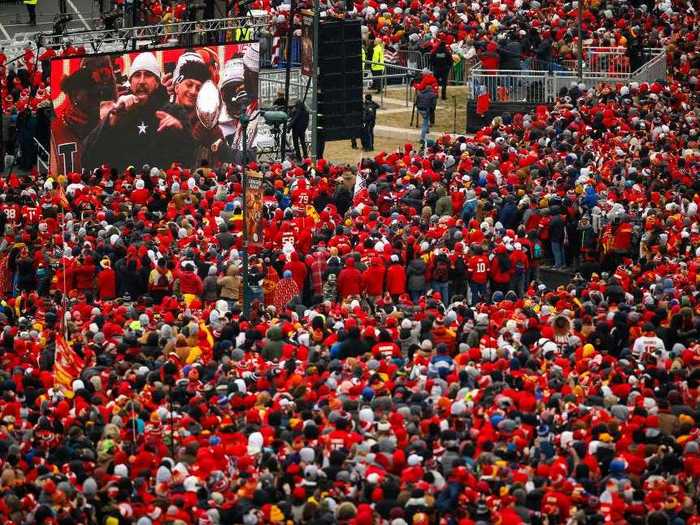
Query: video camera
{"points": [[110, 18], [414, 76], [60, 21]]}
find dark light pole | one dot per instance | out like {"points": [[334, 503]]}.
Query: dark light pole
{"points": [[580, 40], [271, 118], [314, 93], [245, 120], [287, 73]]}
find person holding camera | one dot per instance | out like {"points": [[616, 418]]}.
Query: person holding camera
{"points": [[426, 78], [425, 104]]}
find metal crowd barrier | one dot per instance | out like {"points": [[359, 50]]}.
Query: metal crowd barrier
{"points": [[655, 69], [609, 60], [510, 85], [273, 80], [394, 75], [411, 59], [537, 86]]}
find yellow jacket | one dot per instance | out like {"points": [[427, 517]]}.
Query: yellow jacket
{"points": [[378, 57]]}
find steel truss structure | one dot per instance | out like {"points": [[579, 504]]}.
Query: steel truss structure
{"points": [[162, 35], [152, 36]]}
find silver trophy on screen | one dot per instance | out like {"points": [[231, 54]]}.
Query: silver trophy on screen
{"points": [[209, 105]]}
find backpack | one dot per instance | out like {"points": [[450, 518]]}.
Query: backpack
{"points": [[369, 113], [504, 263], [162, 282], [460, 267], [425, 100], [441, 272], [537, 250]]}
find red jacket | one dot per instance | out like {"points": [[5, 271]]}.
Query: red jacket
{"points": [[141, 196], [490, 60], [396, 279], [519, 256], [497, 274], [349, 281], [428, 79], [107, 284], [190, 283], [623, 237], [442, 334], [373, 279], [85, 276]]}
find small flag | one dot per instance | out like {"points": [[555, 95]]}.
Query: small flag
{"points": [[206, 341], [312, 213], [62, 199], [360, 183]]}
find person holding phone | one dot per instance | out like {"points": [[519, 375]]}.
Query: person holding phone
{"points": [[141, 126]]}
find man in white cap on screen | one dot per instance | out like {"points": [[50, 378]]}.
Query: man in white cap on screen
{"points": [[238, 86], [141, 127]]}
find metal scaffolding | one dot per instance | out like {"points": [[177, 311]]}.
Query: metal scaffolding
{"points": [[163, 35], [152, 36]]}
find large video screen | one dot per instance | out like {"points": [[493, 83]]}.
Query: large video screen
{"points": [[155, 108]]}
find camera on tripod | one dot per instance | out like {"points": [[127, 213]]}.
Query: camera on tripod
{"points": [[193, 8], [60, 21], [110, 18], [415, 76]]}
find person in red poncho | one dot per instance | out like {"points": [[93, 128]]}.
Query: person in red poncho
{"points": [[286, 290], [501, 269]]}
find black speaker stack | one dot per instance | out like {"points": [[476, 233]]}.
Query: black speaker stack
{"points": [[339, 79]]}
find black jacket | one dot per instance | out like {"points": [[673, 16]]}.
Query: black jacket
{"points": [[442, 59], [300, 119], [134, 139], [369, 113], [556, 229], [510, 55]]}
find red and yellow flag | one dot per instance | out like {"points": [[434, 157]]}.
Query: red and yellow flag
{"points": [[206, 341], [67, 366], [62, 199]]}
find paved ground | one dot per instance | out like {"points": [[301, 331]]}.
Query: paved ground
{"points": [[13, 16], [450, 115]]}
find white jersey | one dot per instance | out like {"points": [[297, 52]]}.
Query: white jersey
{"points": [[647, 345]]}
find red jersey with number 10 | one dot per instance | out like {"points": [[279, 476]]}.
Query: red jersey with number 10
{"points": [[478, 269]]}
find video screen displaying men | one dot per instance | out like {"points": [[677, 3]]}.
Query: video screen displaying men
{"points": [[155, 108]]}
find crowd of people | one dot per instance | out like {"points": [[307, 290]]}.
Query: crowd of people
{"points": [[392, 354]]}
